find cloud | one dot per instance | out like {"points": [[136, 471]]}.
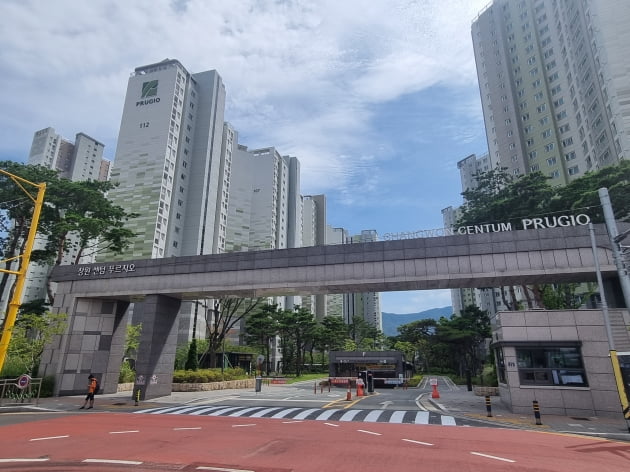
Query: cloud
{"points": [[303, 76]]}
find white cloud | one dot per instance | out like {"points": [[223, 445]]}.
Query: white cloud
{"points": [[300, 75]]}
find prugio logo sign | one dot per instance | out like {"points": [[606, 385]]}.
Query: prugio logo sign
{"points": [[148, 94]]}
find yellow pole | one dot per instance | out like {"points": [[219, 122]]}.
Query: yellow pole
{"points": [[15, 303], [625, 401]]}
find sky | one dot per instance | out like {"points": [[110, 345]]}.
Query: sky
{"points": [[378, 99]]}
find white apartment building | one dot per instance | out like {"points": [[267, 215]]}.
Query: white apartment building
{"points": [[172, 170], [169, 166], [555, 84]]}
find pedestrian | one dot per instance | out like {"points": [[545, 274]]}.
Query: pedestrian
{"points": [[90, 393]]}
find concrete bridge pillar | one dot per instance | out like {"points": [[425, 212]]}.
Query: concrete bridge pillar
{"points": [[158, 345]]}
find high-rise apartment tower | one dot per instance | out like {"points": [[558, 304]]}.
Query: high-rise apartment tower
{"points": [[554, 79]]}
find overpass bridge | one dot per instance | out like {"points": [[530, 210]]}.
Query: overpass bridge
{"points": [[96, 296]]}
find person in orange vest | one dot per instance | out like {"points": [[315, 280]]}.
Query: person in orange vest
{"points": [[92, 383]]}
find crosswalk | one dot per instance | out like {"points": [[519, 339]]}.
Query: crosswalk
{"points": [[317, 414]]}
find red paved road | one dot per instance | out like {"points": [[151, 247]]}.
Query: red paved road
{"points": [[266, 445]]}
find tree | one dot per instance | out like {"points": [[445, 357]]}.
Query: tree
{"points": [[295, 328], [75, 216], [261, 326], [224, 315], [465, 334], [31, 333]]}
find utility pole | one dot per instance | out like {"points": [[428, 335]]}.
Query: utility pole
{"points": [[25, 259]]}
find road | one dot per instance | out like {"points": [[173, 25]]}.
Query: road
{"points": [[281, 429]]}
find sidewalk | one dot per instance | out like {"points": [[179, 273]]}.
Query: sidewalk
{"points": [[459, 402]]}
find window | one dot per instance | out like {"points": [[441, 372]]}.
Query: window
{"points": [[569, 156], [551, 366], [561, 115], [530, 142], [567, 142], [557, 103], [554, 174], [542, 108], [546, 133], [534, 168], [564, 128], [556, 90], [551, 161], [549, 147], [533, 154], [574, 170]]}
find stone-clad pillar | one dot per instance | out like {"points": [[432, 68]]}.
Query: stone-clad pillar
{"points": [[158, 344], [92, 344]]}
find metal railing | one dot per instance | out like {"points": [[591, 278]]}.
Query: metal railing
{"points": [[20, 391]]}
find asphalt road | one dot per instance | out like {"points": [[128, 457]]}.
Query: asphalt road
{"points": [[137, 442]]}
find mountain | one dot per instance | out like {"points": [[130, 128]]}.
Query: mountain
{"points": [[391, 321]]}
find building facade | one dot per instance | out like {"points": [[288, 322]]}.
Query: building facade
{"points": [[169, 166], [553, 78]]}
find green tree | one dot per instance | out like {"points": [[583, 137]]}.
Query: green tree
{"points": [[261, 326], [75, 216], [582, 194], [465, 334], [224, 315], [31, 333], [295, 328]]}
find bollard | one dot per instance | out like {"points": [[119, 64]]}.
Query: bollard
{"points": [[488, 406], [321, 388], [349, 393], [137, 397], [315, 388], [537, 412]]}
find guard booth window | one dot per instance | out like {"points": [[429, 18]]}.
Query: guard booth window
{"points": [[551, 366]]}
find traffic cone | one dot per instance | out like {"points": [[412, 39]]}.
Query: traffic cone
{"points": [[435, 393], [349, 393]]}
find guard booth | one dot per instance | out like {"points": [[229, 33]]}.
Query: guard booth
{"points": [[376, 368]]}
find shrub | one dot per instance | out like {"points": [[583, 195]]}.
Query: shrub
{"points": [[127, 374], [207, 375]]}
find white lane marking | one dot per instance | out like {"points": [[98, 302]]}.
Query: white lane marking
{"points": [[448, 421], [397, 417], [305, 413], [111, 461], [15, 459], [50, 437], [422, 417], [244, 411], [372, 416], [224, 410], [369, 432], [291, 422], [492, 457], [124, 432], [283, 413], [206, 410], [261, 413], [331, 424], [418, 442], [186, 429], [325, 415], [242, 425], [349, 416], [222, 469]]}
